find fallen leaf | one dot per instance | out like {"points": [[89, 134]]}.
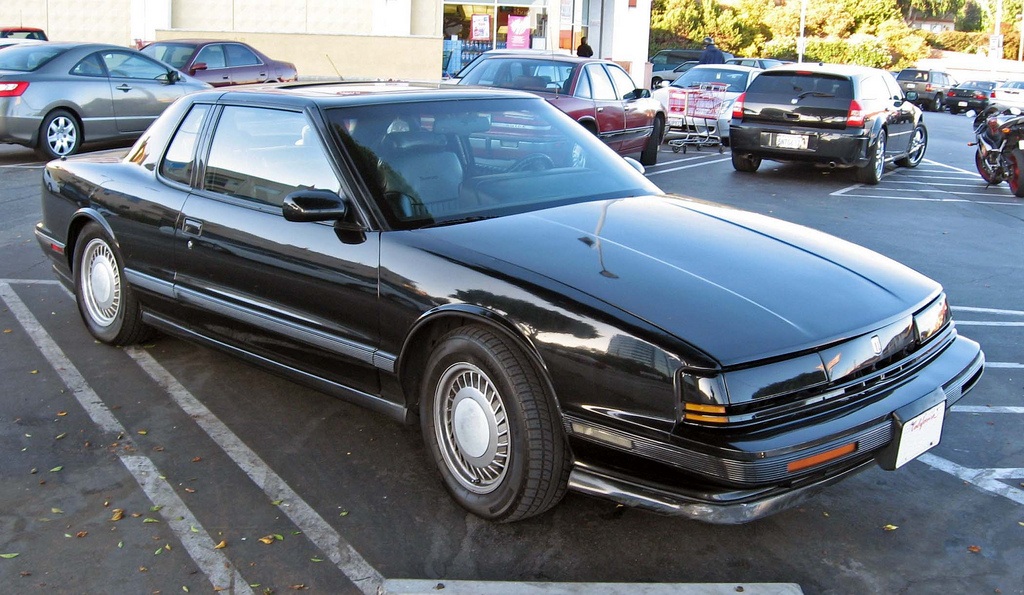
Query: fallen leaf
{"points": [[1021, 523], [118, 514], [223, 544], [34, 372], [278, 537], [890, 527], [142, 432], [298, 587], [120, 544], [343, 513], [59, 436], [81, 534], [184, 588], [9, 556], [269, 539], [158, 551], [193, 529], [155, 508], [190, 490], [143, 569], [33, 471], [136, 515], [158, 448], [61, 413], [25, 573], [56, 469], [150, 520], [56, 511], [316, 560], [974, 549], [277, 502], [196, 459], [7, 330]]}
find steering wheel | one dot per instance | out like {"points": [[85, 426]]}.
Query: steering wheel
{"points": [[532, 162]]}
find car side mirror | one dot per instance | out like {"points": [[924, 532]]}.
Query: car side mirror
{"points": [[636, 164], [197, 67], [314, 205], [173, 76], [641, 93], [912, 96], [664, 84]]}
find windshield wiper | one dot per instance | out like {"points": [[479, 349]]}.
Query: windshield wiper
{"points": [[813, 94], [457, 221]]}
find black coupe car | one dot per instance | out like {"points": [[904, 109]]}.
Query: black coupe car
{"points": [[475, 260]]}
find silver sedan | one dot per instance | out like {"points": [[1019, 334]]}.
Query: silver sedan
{"points": [[56, 96]]}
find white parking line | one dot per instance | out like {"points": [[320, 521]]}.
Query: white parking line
{"points": [[196, 541], [988, 323], [703, 162], [989, 311], [308, 520], [986, 479], [985, 409]]}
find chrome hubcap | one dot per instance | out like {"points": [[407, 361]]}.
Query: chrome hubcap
{"points": [[880, 157], [61, 135], [101, 283], [917, 146], [472, 428]]}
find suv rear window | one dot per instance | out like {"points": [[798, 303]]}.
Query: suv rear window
{"points": [[796, 83], [913, 75]]}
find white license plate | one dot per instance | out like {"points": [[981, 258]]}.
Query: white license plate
{"points": [[790, 141], [1020, 144], [911, 85], [920, 434], [961, 104], [675, 122]]}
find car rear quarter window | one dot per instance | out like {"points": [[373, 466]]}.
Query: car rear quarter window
{"points": [[179, 161], [793, 84], [239, 55], [27, 58], [91, 65], [601, 86], [265, 154]]}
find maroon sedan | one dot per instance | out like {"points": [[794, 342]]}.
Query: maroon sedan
{"points": [[221, 63], [598, 94]]}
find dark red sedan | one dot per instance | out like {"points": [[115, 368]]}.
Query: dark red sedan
{"points": [[221, 63], [598, 94]]}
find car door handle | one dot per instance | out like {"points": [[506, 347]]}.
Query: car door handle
{"points": [[124, 87], [600, 109], [192, 227]]}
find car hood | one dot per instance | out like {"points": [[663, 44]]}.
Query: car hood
{"points": [[736, 285]]}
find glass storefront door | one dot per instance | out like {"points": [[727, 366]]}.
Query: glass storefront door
{"points": [[471, 29]]}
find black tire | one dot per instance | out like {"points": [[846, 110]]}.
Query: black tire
{"points": [[936, 105], [917, 148], [490, 427], [1015, 178], [105, 300], [649, 156], [60, 135], [983, 170], [872, 172], [745, 163], [954, 111]]}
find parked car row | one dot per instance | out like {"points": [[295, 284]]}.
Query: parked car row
{"points": [[54, 96]]}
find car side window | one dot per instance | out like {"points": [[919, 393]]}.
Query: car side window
{"points": [[601, 85], [179, 161], [873, 88], [239, 55], [212, 56], [895, 91], [132, 66], [91, 65], [624, 85], [583, 89], [264, 154]]}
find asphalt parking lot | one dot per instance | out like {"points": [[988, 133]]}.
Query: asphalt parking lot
{"points": [[172, 468]]}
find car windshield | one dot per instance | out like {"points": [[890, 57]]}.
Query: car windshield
{"points": [[174, 54], [438, 162], [913, 75], [530, 74], [695, 77], [801, 83], [28, 57]]}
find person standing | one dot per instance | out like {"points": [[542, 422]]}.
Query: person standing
{"points": [[584, 51], [711, 54]]}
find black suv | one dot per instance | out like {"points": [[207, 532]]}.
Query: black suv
{"points": [[836, 115], [931, 86]]}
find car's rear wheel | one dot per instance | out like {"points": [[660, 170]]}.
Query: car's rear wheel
{"points": [[745, 163], [490, 427], [649, 156], [106, 302], [936, 104], [59, 135], [917, 148], [1016, 173], [872, 172], [983, 169]]}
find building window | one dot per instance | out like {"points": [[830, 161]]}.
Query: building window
{"points": [[471, 29]]}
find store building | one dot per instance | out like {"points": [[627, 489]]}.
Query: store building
{"points": [[379, 39]]}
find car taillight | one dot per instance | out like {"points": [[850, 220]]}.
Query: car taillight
{"points": [[855, 117], [950, 93], [737, 106], [929, 88], [992, 95], [13, 89], [979, 95]]}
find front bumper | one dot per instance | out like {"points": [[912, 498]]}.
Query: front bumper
{"points": [[746, 479], [835, 147]]}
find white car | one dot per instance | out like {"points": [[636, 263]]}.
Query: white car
{"points": [[1008, 94], [722, 82]]}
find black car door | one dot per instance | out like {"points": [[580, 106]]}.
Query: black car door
{"points": [[297, 293], [880, 101], [902, 115]]}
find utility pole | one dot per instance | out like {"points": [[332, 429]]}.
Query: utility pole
{"points": [[801, 42]]}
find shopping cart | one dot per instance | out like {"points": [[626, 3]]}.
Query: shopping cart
{"points": [[695, 111]]}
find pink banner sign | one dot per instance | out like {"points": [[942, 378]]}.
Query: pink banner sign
{"points": [[518, 33]]}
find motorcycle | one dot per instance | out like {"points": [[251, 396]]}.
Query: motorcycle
{"points": [[999, 135]]}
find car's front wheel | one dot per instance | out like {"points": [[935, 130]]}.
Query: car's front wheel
{"points": [[872, 172], [106, 302], [745, 163], [59, 135], [917, 148], [649, 156], [490, 427]]}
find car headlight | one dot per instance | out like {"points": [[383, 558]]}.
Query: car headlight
{"points": [[931, 320]]}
